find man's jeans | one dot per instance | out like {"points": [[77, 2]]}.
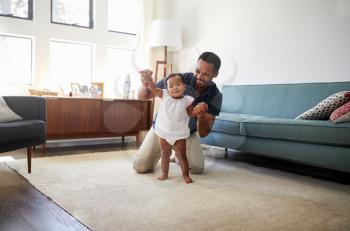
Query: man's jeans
{"points": [[149, 153]]}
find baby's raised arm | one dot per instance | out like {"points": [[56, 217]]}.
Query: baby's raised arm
{"points": [[156, 91]]}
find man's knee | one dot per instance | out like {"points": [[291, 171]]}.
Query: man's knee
{"points": [[148, 154], [141, 167], [195, 154], [196, 170]]}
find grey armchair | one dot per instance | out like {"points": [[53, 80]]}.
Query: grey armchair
{"points": [[28, 132]]}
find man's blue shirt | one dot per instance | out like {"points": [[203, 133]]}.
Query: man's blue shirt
{"points": [[211, 96]]}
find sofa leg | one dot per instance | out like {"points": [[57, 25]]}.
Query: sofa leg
{"points": [[29, 158]]}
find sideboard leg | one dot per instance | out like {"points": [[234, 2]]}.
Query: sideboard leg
{"points": [[138, 139], [43, 149]]}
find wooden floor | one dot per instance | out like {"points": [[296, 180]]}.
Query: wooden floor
{"points": [[23, 207]]}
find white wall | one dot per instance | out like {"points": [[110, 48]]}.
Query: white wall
{"points": [[259, 41], [267, 41], [41, 28]]}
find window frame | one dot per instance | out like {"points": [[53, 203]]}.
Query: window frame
{"points": [[130, 71], [30, 12], [91, 16], [32, 56], [121, 32], [115, 31], [92, 58]]}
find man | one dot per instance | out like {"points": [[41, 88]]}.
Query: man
{"points": [[203, 89]]}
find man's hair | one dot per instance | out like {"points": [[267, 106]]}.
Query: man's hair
{"points": [[212, 58]]}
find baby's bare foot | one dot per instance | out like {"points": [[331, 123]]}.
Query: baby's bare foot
{"points": [[188, 179], [162, 177]]}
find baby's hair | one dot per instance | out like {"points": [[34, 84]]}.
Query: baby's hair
{"points": [[175, 75]]}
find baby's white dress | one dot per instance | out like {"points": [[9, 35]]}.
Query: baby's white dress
{"points": [[172, 118]]}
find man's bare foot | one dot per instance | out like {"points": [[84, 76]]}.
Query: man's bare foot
{"points": [[188, 179], [162, 177]]}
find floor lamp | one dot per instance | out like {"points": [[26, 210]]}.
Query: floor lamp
{"points": [[165, 33]]}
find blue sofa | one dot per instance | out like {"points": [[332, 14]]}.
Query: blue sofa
{"points": [[259, 119], [28, 132]]}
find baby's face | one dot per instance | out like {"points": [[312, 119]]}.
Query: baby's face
{"points": [[176, 87]]}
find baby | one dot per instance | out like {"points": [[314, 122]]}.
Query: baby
{"points": [[171, 124]]}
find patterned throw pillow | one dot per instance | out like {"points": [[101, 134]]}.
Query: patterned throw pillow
{"points": [[341, 114], [6, 114], [323, 110]]}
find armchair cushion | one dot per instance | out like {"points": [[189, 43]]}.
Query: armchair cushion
{"points": [[6, 114], [21, 130]]}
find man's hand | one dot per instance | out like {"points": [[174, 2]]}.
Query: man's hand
{"points": [[146, 78], [200, 109], [144, 92], [205, 120]]}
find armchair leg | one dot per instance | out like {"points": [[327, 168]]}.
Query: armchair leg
{"points": [[29, 158]]}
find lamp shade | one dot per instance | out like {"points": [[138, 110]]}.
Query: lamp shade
{"points": [[166, 32]]}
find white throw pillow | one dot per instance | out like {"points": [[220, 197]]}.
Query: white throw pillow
{"points": [[6, 114]]}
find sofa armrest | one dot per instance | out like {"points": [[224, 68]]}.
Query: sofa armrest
{"points": [[28, 107]]}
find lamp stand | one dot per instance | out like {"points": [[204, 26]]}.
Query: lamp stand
{"points": [[158, 63], [164, 62]]}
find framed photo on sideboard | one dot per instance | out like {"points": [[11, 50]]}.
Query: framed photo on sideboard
{"points": [[94, 90]]}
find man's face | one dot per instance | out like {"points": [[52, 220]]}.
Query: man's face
{"points": [[204, 74]]}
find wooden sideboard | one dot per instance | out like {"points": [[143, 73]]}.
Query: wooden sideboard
{"points": [[74, 118]]}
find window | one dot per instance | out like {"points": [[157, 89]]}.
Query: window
{"points": [[70, 62], [16, 59], [123, 16], [120, 64], [72, 12], [17, 8]]}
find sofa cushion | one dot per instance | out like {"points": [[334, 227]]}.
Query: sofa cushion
{"points": [[6, 114], [21, 130], [323, 110], [230, 122], [277, 100], [313, 131], [341, 114]]}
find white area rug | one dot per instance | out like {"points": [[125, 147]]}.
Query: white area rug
{"points": [[103, 192]]}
